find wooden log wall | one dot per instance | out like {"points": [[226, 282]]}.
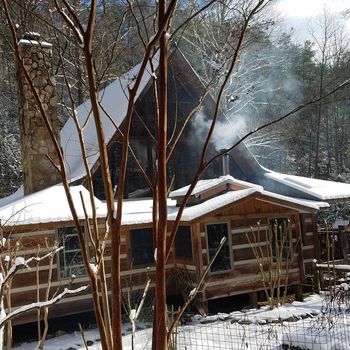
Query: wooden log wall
{"points": [[311, 249], [26, 287], [25, 241], [244, 276]]}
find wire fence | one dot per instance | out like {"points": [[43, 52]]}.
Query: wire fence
{"points": [[325, 331], [321, 332]]}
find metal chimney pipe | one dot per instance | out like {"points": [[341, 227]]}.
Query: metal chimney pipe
{"points": [[225, 159]]}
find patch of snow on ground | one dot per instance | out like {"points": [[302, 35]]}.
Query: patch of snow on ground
{"points": [[252, 329]]}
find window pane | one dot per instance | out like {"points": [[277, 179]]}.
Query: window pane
{"points": [[74, 258], [71, 261], [215, 233], [77, 270], [71, 242], [142, 246], [183, 242]]}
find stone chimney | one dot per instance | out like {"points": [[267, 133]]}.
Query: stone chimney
{"points": [[38, 172]]}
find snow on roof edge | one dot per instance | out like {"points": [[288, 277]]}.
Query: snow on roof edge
{"points": [[204, 185], [140, 211], [19, 193], [319, 191], [303, 202], [196, 211], [48, 205]]}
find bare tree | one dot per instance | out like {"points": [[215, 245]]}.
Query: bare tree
{"points": [[81, 29], [9, 268], [274, 250]]}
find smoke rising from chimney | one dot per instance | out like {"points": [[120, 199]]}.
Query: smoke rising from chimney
{"points": [[226, 133], [263, 87]]}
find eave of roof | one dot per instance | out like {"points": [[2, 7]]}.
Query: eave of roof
{"points": [[206, 185], [323, 190], [50, 205], [296, 202]]}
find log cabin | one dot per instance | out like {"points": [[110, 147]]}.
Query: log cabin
{"points": [[235, 198], [221, 207]]}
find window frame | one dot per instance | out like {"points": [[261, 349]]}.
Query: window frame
{"points": [[229, 242], [186, 258], [61, 272]]}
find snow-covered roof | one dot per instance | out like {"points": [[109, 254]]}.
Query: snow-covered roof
{"points": [[140, 211], [298, 201], [321, 189], [48, 205], [205, 185], [12, 197], [212, 204], [114, 100]]}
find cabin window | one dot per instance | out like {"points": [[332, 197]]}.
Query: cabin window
{"points": [[183, 242], [142, 246], [215, 232], [70, 257], [280, 238]]}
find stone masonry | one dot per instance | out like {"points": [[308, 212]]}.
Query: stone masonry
{"points": [[38, 172]]}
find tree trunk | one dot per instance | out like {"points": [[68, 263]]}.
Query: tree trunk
{"points": [[160, 325], [318, 122]]}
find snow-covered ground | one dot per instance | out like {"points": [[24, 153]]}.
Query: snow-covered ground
{"points": [[299, 324], [75, 341]]}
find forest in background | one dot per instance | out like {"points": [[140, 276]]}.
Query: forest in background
{"points": [[272, 78], [274, 75]]}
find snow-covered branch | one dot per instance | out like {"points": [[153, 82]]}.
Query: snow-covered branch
{"points": [[135, 313], [39, 305], [21, 263]]}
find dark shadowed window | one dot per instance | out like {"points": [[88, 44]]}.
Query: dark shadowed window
{"points": [[71, 261], [183, 242], [142, 246], [215, 232]]}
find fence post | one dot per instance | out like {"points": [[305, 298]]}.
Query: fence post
{"points": [[317, 286]]}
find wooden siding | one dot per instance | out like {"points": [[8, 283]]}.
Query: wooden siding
{"points": [[243, 277], [25, 284], [310, 249]]}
